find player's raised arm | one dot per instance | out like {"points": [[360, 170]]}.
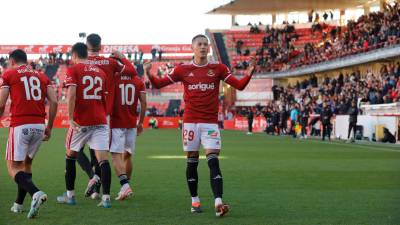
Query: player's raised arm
{"points": [[53, 104], [155, 81], [126, 67], [242, 83]]}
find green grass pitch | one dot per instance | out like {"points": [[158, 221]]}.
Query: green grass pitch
{"points": [[267, 180]]}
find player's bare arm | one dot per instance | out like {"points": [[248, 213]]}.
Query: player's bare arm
{"points": [[143, 107], [71, 97], [242, 83], [52, 98], [4, 93]]}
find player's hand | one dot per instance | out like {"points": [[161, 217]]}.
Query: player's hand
{"points": [[117, 54], [252, 65], [139, 129], [147, 67], [47, 134], [74, 126]]}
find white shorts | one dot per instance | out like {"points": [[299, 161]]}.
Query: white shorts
{"points": [[123, 140], [206, 134], [97, 137], [24, 141]]}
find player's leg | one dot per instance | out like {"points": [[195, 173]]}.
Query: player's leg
{"points": [[117, 149], [211, 141], [84, 163], [75, 140], [24, 143], [99, 141], [191, 145], [94, 184], [128, 164], [21, 192]]}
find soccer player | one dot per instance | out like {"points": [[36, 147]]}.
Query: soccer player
{"points": [[87, 112], [201, 80], [28, 90], [124, 126], [110, 66]]}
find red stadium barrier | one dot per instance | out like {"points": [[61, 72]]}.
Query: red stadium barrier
{"points": [[106, 49]]}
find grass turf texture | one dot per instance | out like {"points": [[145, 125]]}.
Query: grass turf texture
{"points": [[267, 180]]}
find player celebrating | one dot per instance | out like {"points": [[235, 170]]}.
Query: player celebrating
{"points": [[201, 81], [128, 90], [110, 66], [28, 90], [87, 119]]}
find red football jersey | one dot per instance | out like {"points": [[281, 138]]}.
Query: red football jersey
{"points": [[110, 66], [90, 103], [127, 92], [28, 91], [201, 90]]}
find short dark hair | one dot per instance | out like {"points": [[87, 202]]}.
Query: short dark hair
{"points": [[80, 49], [19, 56], [199, 36], [94, 40]]}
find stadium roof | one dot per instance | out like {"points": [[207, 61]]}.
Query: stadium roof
{"points": [[256, 7]]}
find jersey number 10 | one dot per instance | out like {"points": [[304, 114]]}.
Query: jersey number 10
{"points": [[127, 99], [32, 88]]}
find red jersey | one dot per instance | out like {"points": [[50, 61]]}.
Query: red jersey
{"points": [[127, 92], [28, 91], [201, 88], [110, 66], [90, 104]]}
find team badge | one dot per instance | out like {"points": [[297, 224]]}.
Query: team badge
{"points": [[210, 73], [212, 133]]}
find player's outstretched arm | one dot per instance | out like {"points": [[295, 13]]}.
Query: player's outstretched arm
{"points": [[242, 83], [53, 104], [143, 107], [155, 81], [71, 97], [4, 92]]}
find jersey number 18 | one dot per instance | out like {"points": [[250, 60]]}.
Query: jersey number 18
{"points": [[32, 88]]}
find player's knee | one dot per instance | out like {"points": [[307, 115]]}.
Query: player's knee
{"points": [[71, 154], [193, 155]]}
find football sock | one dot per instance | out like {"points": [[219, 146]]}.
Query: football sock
{"points": [[84, 163], [123, 179], [218, 201], [105, 176], [21, 192], [94, 162], [25, 181], [191, 175], [215, 175], [70, 173], [195, 199]]}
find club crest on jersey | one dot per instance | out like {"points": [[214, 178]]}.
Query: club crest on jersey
{"points": [[210, 73], [212, 133]]}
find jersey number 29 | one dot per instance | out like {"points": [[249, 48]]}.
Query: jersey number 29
{"points": [[32, 88]]}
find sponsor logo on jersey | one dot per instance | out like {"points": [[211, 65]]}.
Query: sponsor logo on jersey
{"points": [[191, 74], [210, 73], [212, 133], [201, 86]]}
